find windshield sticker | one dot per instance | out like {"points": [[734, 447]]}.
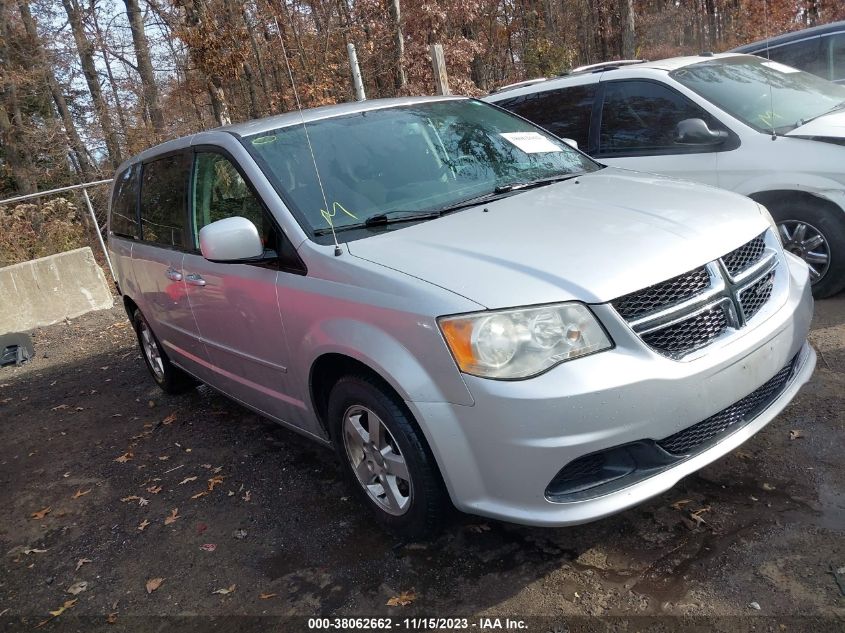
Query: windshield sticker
{"points": [[336, 206], [531, 142], [780, 67]]}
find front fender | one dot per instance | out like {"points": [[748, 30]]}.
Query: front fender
{"points": [[426, 373]]}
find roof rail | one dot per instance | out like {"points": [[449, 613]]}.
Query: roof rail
{"points": [[519, 84], [602, 66]]}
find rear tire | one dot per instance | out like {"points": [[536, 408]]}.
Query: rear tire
{"points": [[386, 459], [167, 376], [800, 225]]}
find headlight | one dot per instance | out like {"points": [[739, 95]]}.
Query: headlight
{"points": [[523, 342], [765, 212]]}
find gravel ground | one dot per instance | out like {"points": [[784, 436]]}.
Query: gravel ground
{"points": [[106, 481]]}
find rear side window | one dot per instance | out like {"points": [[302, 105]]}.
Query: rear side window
{"points": [[642, 116], [565, 112], [164, 217], [806, 55], [837, 57], [124, 205]]}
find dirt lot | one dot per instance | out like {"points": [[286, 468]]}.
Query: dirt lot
{"points": [[94, 459]]}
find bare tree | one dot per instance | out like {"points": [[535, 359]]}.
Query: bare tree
{"points": [[89, 69], [149, 87], [77, 147], [629, 37], [399, 39]]}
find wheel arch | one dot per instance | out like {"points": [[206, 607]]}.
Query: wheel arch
{"points": [[774, 198]]}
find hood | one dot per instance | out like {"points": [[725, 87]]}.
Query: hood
{"points": [[590, 239], [829, 125]]}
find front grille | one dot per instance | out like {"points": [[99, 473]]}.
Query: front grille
{"points": [[663, 295], [690, 334], [745, 256], [755, 296], [739, 413], [685, 313]]}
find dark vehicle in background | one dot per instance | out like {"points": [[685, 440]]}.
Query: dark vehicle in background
{"points": [[819, 50]]}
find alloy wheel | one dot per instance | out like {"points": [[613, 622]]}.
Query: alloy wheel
{"points": [[807, 242], [376, 460], [151, 351]]}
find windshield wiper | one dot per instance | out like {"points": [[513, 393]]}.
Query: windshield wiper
{"points": [[530, 184], [389, 217], [838, 106]]}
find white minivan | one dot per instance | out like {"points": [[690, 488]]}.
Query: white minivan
{"points": [[739, 122]]}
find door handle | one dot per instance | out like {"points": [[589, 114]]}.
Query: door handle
{"points": [[173, 275], [195, 280]]}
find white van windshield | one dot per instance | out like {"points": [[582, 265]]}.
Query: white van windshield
{"points": [[410, 159], [764, 94]]}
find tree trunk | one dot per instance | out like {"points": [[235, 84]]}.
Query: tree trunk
{"points": [[89, 69], [629, 38], [77, 147], [219, 105], [399, 39], [145, 66], [101, 43]]}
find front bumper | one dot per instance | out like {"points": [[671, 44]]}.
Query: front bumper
{"points": [[499, 455]]}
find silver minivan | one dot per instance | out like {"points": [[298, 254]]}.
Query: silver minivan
{"points": [[470, 311]]}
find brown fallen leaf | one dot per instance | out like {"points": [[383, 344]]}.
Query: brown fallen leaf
{"points": [[124, 458], [214, 481], [171, 518], [679, 505], [163, 458], [478, 529], [795, 434], [187, 480], [41, 513], [80, 493], [169, 419], [267, 596], [225, 591], [32, 550], [199, 494], [154, 490], [247, 496], [112, 618], [81, 562], [768, 487], [153, 584], [696, 516], [59, 407], [403, 599], [143, 525], [77, 588], [69, 604]]}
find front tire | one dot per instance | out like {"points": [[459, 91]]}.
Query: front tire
{"points": [[385, 458], [167, 376], [817, 236]]}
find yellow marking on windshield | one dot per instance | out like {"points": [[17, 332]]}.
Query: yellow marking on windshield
{"points": [[335, 206], [264, 140]]}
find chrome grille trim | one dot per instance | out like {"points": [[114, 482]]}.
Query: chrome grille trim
{"points": [[732, 293]]}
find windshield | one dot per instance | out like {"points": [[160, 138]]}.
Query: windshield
{"points": [[417, 158], [741, 86]]}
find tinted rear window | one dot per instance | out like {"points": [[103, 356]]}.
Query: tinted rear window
{"points": [[565, 112], [124, 207], [164, 218]]}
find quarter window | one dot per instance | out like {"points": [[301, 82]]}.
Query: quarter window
{"points": [[124, 206], [221, 192], [164, 218], [565, 112], [642, 116]]}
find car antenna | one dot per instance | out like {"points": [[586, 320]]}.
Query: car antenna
{"points": [[337, 250], [769, 58]]}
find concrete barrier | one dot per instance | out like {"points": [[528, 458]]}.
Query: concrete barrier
{"points": [[46, 290]]}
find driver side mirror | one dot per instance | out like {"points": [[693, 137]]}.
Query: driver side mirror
{"points": [[231, 240], [696, 132]]}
